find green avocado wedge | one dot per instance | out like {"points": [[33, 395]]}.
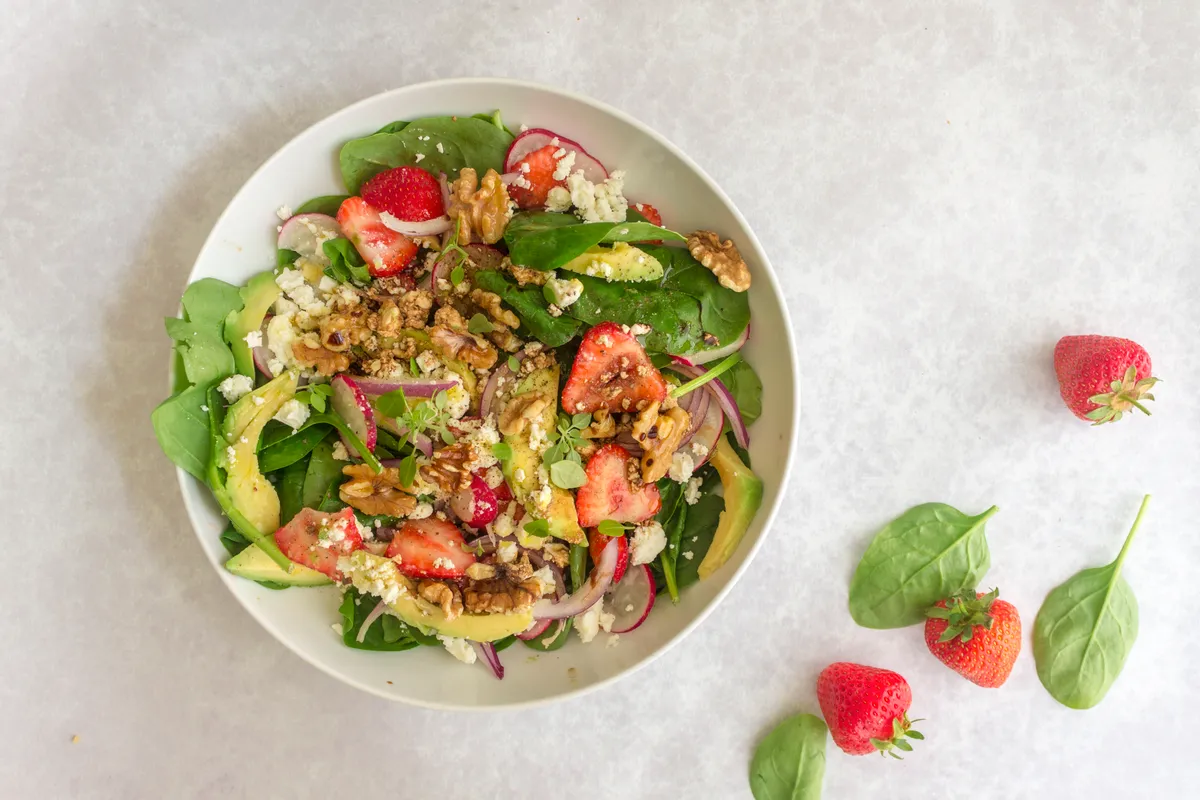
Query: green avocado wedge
{"points": [[743, 495], [254, 564], [257, 296]]}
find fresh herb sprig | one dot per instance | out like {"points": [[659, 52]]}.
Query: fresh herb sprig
{"points": [[562, 456], [316, 395], [425, 416]]}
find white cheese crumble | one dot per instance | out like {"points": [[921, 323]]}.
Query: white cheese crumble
{"points": [[493, 477], [648, 541], [565, 293], [689, 555], [283, 212], [592, 621], [422, 511], [506, 552], [545, 579], [639, 329], [441, 562], [459, 648], [565, 162], [293, 413], [428, 362], [374, 575], [253, 339], [340, 453], [559, 199], [235, 387], [681, 467], [418, 158], [602, 202], [691, 494]]}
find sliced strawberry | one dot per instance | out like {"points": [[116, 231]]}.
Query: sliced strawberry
{"points": [[535, 178], [430, 548], [385, 251], [501, 491], [317, 540], [612, 371], [596, 544], [408, 193], [648, 211], [608, 493]]}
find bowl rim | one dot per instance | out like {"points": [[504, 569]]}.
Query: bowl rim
{"points": [[768, 519]]}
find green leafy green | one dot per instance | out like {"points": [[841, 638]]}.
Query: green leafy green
{"points": [[464, 142], [673, 316], [345, 264], [611, 528], [235, 543], [394, 127], [926, 554], [567, 474], [324, 473], [724, 313], [208, 301], [199, 335], [546, 240], [181, 426], [386, 632], [479, 324], [789, 763], [699, 528], [1085, 630], [327, 204], [291, 449], [746, 387], [493, 119], [578, 565], [502, 451], [708, 375], [672, 515], [554, 637], [291, 489], [537, 527], [531, 307], [284, 258]]}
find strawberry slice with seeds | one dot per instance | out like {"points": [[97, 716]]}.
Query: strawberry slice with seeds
{"points": [[650, 213], [385, 251], [609, 493], [317, 540], [597, 541], [535, 178], [430, 548], [408, 193], [612, 371]]}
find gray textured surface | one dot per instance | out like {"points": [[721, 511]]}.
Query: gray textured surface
{"points": [[946, 188]]}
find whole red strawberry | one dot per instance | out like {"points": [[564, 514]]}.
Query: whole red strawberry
{"points": [[976, 635], [866, 708], [409, 193], [1102, 377]]}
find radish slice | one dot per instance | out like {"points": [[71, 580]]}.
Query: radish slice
{"points": [[351, 405], [306, 233], [707, 356], [537, 138], [706, 435], [722, 395], [487, 653], [697, 408], [476, 505], [488, 397], [630, 600], [430, 227], [262, 358], [535, 630], [587, 596], [415, 387]]}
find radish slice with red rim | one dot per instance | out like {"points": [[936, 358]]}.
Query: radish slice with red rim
{"points": [[487, 399], [588, 595], [535, 630], [476, 505], [537, 138], [352, 406], [630, 600], [306, 234]]}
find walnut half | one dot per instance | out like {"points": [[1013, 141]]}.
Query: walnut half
{"points": [[480, 216], [661, 442], [722, 258], [373, 493]]}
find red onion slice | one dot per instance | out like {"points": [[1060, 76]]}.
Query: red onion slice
{"points": [[587, 596], [535, 630], [487, 652], [375, 614], [429, 227], [413, 387], [722, 395]]}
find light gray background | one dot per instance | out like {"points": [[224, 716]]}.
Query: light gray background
{"points": [[945, 189]]}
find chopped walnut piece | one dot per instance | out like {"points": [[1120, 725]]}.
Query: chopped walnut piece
{"points": [[443, 595], [433, 243], [603, 426], [338, 333], [525, 275], [480, 216], [490, 303], [386, 321], [392, 286], [670, 428], [376, 493], [520, 410], [448, 317], [519, 569], [415, 307], [557, 553], [326, 361], [499, 596], [480, 571], [722, 258], [465, 347], [447, 467]]}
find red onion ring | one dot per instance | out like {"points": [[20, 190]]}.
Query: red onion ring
{"points": [[487, 652]]}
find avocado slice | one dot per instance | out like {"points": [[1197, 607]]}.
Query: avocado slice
{"points": [[621, 262], [419, 613], [561, 514], [249, 490], [257, 296], [743, 495], [256, 565]]}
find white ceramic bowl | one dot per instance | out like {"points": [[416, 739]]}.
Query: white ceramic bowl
{"points": [[242, 243]]}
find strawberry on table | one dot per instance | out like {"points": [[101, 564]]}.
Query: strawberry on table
{"points": [[866, 708], [536, 178], [609, 493], [976, 635], [317, 540], [385, 251], [597, 541], [612, 371], [1103, 377], [408, 193], [430, 548]]}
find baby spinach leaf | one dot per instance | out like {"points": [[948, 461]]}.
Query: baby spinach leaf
{"points": [[1085, 630], [673, 317], [207, 303], [324, 472], [181, 426], [746, 387], [724, 313], [291, 489], [345, 264], [699, 528], [234, 542], [205, 355], [531, 307], [325, 204], [789, 764], [386, 632], [546, 240], [926, 554], [291, 449], [493, 119], [285, 258], [394, 127], [672, 515]]}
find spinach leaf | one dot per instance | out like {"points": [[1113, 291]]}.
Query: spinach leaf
{"points": [[698, 530], [207, 303], [926, 554], [323, 475], [555, 636], [386, 633], [493, 119], [724, 313], [234, 542], [746, 387], [394, 127], [1085, 630], [789, 764], [531, 307], [325, 204], [673, 317], [290, 450], [546, 240], [464, 141], [181, 426], [345, 264], [285, 258], [206, 356], [291, 489], [671, 515]]}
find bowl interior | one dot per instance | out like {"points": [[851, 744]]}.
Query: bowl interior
{"points": [[242, 243]]}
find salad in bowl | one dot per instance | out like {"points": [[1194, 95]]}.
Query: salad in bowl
{"points": [[484, 395]]}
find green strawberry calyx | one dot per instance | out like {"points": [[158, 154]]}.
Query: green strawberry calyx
{"points": [[964, 612], [901, 732], [1127, 394]]}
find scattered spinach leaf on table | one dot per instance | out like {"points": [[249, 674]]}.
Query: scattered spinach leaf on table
{"points": [[789, 763]]}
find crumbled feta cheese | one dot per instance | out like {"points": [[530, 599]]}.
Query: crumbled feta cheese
{"points": [[691, 494], [554, 310], [589, 623], [545, 579], [253, 339], [337, 628], [565, 162], [422, 511], [418, 158], [602, 202], [699, 452], [494, 477], [525, 167], [565, 293], [689, 555], [521, 181], [639, 329], [519, 475], [458, 401], [204, 409], [230, 456], [537, 437], [428, 362], [340, 453], [290, 280], [283, 212], [281, 335], [559, 199], [258, 401], [681, 467], [604, 340], [235, 387], [648, 541], [441, 562], [613, 640], [506, 552], [523, 128], [459, 648], [374, 575], [327, 284], [293, 413]]}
